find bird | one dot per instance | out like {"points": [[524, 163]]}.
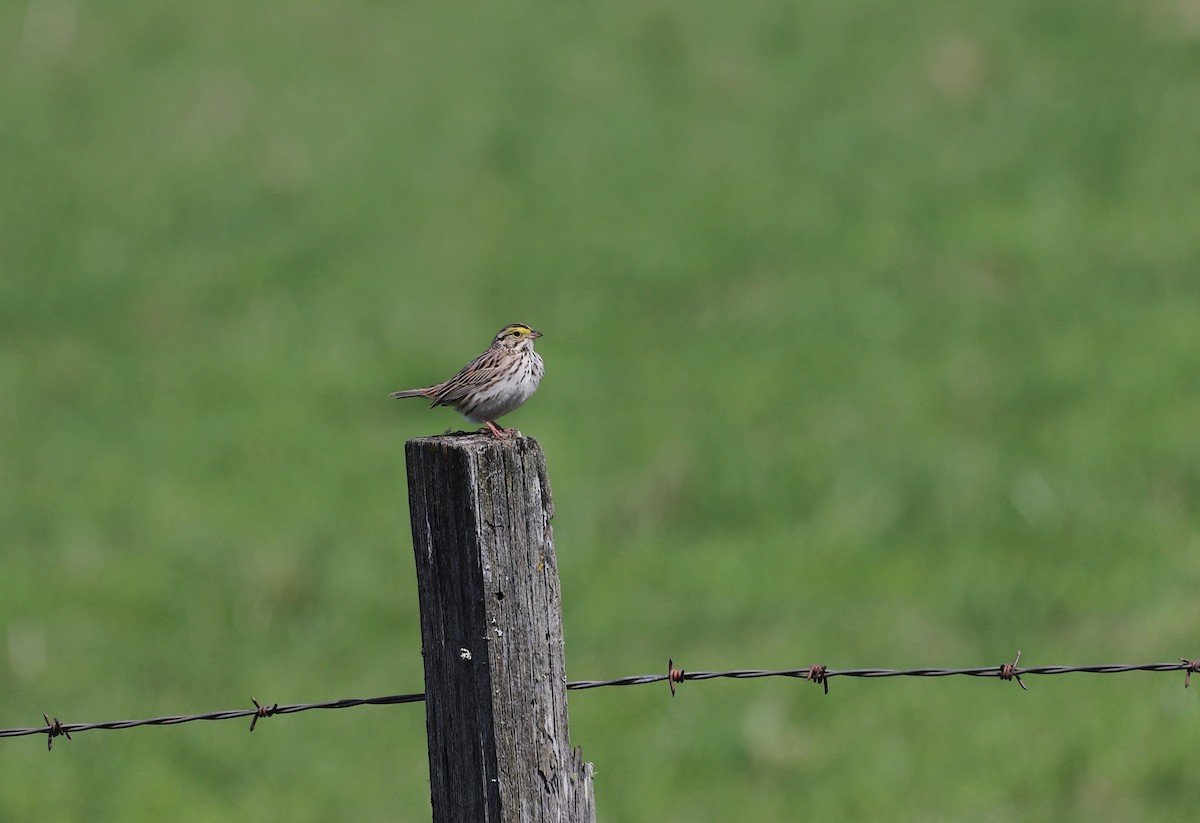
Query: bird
{"points": [[494, 383]]}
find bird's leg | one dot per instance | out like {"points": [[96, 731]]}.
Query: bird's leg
{"points": [[497, 431]]}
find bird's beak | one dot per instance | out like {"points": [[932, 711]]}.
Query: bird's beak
{"points": [[535, 334]]}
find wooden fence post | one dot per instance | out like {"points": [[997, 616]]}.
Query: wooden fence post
{"points": [[491, 634]]}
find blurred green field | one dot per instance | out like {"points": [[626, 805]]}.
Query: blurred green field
{"points": [[872, 335]]}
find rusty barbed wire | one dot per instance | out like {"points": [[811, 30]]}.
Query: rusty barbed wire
{"points": [[816, 674], [821, 675], [56, 728]]}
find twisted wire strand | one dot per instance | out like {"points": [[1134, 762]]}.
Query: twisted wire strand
{"points": [[55, 727], [817, 674]]}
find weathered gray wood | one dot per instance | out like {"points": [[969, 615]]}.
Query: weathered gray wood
{"points": [[491, 633]]}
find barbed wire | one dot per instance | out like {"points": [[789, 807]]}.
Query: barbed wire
{"points": [[821, 675], [55, 728], [817, 674]]}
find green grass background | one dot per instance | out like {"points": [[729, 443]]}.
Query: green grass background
{"points": [[872, 335]]}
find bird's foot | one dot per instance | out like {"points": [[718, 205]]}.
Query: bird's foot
{"points": [[499, 431]]}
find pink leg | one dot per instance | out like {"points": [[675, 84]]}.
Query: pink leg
{"points": [[497, 432]]}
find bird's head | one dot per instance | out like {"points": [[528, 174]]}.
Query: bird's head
{"points": [[515, 336]]}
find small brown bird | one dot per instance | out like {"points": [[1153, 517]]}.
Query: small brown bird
{"points": [[494, 383]]}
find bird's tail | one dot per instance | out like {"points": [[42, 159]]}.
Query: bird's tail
{"points": [[400, 395]]}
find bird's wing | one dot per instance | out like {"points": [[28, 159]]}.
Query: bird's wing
{"points": [[479, 372]]}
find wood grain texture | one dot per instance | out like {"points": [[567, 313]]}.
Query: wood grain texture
{"points": [[491, 634]]}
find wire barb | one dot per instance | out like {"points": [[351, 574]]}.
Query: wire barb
{"points": [[261, 711], [1009, 671], [818, 674], [674, 675], [1192, 666], [54, 729]]}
